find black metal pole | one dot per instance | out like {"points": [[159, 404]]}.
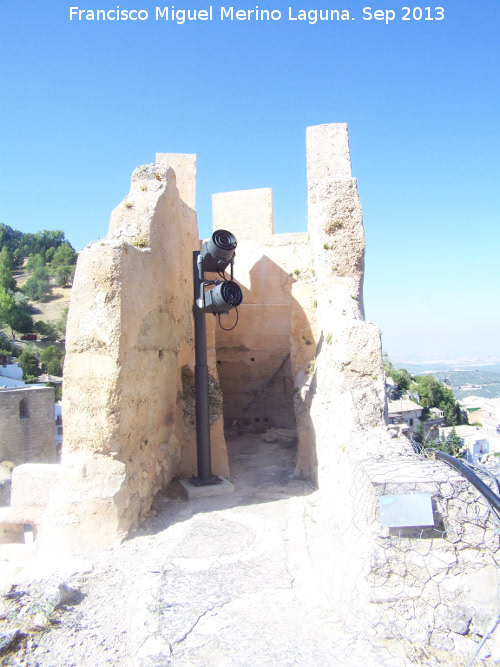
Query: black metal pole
{"points": [[201, 384], [466, 472]]}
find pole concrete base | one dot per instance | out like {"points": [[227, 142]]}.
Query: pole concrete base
{"points": [[192, 491]]}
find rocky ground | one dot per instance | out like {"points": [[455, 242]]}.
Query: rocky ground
{"points": [[234, 580]]}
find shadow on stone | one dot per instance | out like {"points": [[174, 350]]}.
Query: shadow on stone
{"points": [[261, 472]]}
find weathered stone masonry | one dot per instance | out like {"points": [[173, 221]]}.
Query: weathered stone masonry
{"points": [[267, 265], [27, 425], [128, 399]]}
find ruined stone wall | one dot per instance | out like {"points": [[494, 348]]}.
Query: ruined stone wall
{"points": [[129, 371], [27, 431], [267, 266], [127, 398], [184, 166], [303, 296], [431, 590], [340, 404]]}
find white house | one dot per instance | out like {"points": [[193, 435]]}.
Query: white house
{"points": [[491, 414], [404, 411], [473, 438]]}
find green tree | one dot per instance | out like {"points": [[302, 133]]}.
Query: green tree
{"points": [[431, 391], [17, 258], [452, 413], [451, 444], [38, 286], [20, 300], [39, 243], [20, 321], [63, 255], [433, 394], [388, 365], [11, 239], [13, 312], [49, 254], [54, 368], [46, 329], [63, 321], [34, 262], [29, 363], [57, 391], [63, 264], [51, 360], [23, 245], [64, 274], [6, 279], [413, 390], [6, 306], [402, 378], [9, 349], [419, 434], [454, 443]]}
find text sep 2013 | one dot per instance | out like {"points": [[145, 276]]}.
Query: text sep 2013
{"points": [[311, 16]]}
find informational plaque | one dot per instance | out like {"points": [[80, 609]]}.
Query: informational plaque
{"points": [[406, 511]]}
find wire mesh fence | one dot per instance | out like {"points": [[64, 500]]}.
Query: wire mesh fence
{"points": [[433, 590]]}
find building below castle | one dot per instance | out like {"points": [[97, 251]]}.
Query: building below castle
{"points": [[27, 425]]}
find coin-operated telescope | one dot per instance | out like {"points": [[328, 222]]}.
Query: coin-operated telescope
{"points": [[215, 256], [218, 252], [222, 298]]}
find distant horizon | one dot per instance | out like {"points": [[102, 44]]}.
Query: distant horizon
{"points": [[456, 364]]}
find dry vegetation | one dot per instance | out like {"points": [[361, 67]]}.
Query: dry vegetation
{"points": [[51, 309]]}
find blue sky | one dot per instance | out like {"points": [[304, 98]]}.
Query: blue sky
{"points": [[84, 102]]}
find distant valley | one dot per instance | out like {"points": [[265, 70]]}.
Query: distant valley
{"points": [[466, 381]]}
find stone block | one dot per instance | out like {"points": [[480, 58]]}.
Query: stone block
{"points": [[89, 505], [456, 618], [32, 484], [193, 491], [327, 152], [10, 531], [27, 425], [184, 166], [248, 214]]}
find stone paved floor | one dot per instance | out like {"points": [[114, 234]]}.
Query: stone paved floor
{"points": [[236, 581], [236, 584]]}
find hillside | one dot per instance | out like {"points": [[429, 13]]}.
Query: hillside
{"points": [[35, 263], [479, 381], [51, 309], [472, 382]]}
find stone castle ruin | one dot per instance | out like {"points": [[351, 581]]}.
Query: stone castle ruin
{"points": [[302, 357], [128, 398]]}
